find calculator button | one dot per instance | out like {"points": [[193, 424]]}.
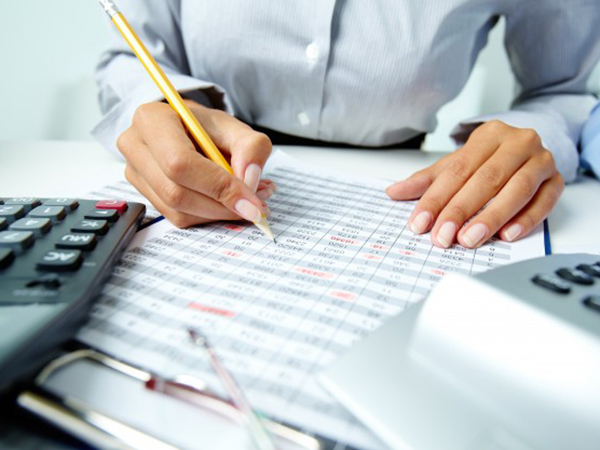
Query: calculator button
{"points": [[17, 240], [592, 302], [27, 202], [6, 257], [68, 203], [37, 226], [591, 269], [575, 275], [54, 213], [119, 205], [3, 223], [78, 241], [112, 215], [60, 260], [552, 283], [91, 226], [12, 212]]}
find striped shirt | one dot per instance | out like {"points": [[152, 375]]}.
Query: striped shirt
{"points": [[367, 73]]}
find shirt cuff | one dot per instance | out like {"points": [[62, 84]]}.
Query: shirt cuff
{"points": [[119, 117], [552, 130], [590, 143]]}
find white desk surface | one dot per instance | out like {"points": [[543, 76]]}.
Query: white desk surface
{"points": [[54, 168]]}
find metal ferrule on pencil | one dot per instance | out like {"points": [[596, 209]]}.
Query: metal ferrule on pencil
{"points": [[110, 8]]}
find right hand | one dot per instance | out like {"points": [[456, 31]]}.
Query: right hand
{"points": [[185, 186]]}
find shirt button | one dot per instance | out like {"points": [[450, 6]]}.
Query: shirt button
{"points": [[312, 52], [303, 119]]}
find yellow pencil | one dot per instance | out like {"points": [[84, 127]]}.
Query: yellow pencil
{"points": [[166, 87]]}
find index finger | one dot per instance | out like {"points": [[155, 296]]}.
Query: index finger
{"points": [[248, 150]]}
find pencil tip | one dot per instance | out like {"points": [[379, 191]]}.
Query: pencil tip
{"points": [[195, 336], [263, 225]]}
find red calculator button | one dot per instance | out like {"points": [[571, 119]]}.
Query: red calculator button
{"points": [[119, 205]]}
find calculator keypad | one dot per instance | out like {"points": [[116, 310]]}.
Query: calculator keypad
{"points": [[50, 274], [25, 220], [572, 279]]}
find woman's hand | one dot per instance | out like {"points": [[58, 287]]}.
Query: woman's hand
{"points": [[185, 186], [505, 166]]}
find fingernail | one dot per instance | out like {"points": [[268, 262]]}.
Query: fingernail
{"points": [[475, 234], [267, 212], [247, 210], [252, 176], [421, 222], [264, 194], [446, 234], [513, 232]]}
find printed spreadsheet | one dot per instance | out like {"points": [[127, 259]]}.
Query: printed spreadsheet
{"points": [[277, 314]]}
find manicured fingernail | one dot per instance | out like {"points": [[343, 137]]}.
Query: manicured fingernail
{"points": [[264, 194], [252, 176], [247, 210], [446, 234], [421, 222], [513, 232], [475, 234]]}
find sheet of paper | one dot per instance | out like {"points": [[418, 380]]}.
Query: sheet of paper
{"points": [[344, 262]]}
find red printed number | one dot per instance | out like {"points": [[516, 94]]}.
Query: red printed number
{"points": [[313, 273], [211, 310], [343, 295]]}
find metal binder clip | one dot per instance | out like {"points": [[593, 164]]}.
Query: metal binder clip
{"points": [[104, 432]]}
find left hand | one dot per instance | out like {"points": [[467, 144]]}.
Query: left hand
{"points": [[505, 166]]}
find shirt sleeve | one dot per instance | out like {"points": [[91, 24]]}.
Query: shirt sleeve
{"points": [[124, 83], [590, 143], [553, 48]]}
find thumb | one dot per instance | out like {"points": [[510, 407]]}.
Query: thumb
{"points": [[411, 188]]}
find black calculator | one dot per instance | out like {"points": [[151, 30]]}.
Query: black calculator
{"points": [[54, 256]]}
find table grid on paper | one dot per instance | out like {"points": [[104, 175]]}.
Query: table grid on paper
{"points": [[277, 313]]}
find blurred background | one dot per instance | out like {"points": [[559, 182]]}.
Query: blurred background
{"points": [[49, 53]]}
